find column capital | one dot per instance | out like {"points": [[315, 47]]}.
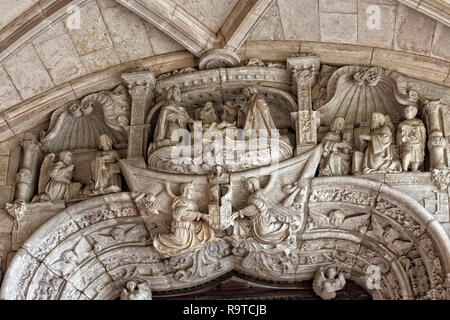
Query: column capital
{"points": [[139, 83]]}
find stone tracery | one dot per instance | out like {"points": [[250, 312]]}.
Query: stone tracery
{"points": [[293, 223]]}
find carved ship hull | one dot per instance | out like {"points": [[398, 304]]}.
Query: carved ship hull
{"points": [[145, 180]]}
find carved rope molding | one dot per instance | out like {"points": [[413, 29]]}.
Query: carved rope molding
{"points": [[90, 250]]}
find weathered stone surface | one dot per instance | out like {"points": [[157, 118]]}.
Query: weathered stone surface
{"points": [[11, 9], [127, 31], [61, 59], [300, 19], [424, 68], [3, 169], [342, 6], [211, 13], [101, 59], [27, 72], [441, 42], [53, 30], [270, 26], [384, 2], [413, 31], [271, 51], [92, 34], [8, 93], [160, 42], [104, 80], [373, 31], [338, 53], [338, 28], [29, 114]]}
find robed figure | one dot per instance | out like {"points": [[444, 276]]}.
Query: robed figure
{"points": [[105, 170], [190, 230], [256, 114], [171, 118], [379, 156], [258, 220], [55, 181], [337, 150]]}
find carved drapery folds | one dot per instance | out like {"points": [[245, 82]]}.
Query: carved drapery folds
{"points": [[191, 219], [384, 241]]}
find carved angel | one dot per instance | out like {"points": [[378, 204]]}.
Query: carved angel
{"points": [[391, 237], [338, 219], [263, 219], [136, 291], [191, 229], [55, 182], [120, 234], [327, 282], [71, 258]]}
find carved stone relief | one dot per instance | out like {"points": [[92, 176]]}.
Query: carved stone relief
{"points": [[236, 168]]}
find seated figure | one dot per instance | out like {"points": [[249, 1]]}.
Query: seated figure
{"points": [[337, 149], [171, 118], [379, 155]]}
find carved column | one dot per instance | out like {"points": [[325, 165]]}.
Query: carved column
{"points": [[141, 86], [26, 178], [437, 143], [304, 73]]}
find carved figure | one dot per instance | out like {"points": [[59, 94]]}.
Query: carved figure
{"points": [[190, 230], [411, 138], [327, 282], [208, 115], [57, 178], [258, 221], [338, 219], [172, 117], [135, 291], [337, 151], [379, 156], [256, 112], [230, 113], [105, 170]]}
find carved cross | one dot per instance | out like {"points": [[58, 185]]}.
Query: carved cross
{"points": [[440, 204]]}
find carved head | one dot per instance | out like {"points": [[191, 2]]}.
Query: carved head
{"points": [[390, 234], [337, 125], [66, 157], [331, 273], [252, 184], [131, 285], [174, 94], [249, 91], [105, 142], [69, 257], [410, 112], [187, 190], [337, 217], [378, 120]]}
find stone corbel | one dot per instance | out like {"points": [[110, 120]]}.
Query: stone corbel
{"points": [[307, 121], [141, 86], [26, 178]]}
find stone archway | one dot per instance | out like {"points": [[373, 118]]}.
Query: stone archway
{"points": [[90, 250]]}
